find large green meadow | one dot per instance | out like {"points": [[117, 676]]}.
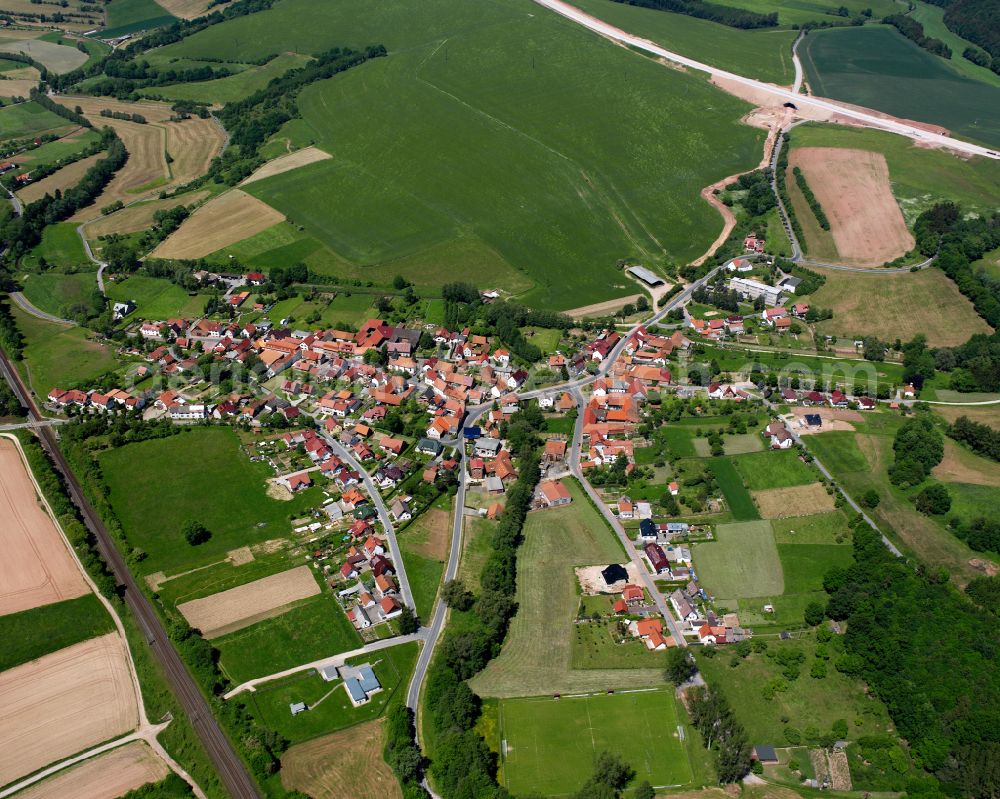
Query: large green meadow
{"points": [[709, 42], [499, 123], [551, 743], [878, 68], [201, 475], [234, 87], [26, 119]]}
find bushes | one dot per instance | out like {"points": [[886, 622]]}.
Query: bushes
{"points": [[924, 650], [914, 31], [781, 168], [10, 336], [918, 447], [980, 438], [724, 15], [401, 751], [817, 209], [714, 719]]}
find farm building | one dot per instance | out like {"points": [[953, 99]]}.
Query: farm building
{"points": [[645, 275]]}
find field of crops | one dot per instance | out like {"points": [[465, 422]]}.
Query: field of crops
{"points": [[878, 68], [234, 87], [509, 135]]}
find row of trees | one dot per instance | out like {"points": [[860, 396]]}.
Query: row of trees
{"points": [[814, 205], [978, 21], [781, 170], [721, 732], [914, 31], [463, 765], [931, 657], [980, 438], [43, 170], [24, 232], [714, 12], [252, 120]]}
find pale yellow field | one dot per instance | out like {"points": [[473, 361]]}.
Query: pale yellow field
{"points": [[345, 765], [106, 776], [138, 217], [55, 57], [285, 163], [192, 144], [17, 87], [64, 703], [780, 503], [239, 607], [36, 567], [65, 178], [223, 220], [185, 9]]}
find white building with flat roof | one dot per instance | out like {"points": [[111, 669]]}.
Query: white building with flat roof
{"points": [[752, 289]]}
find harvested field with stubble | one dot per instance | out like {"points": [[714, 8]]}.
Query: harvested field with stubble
{"points": [[285, 163], [191, 144], [64, 703], [63, 179], [853, 187], [781, 503], [962, 466], [224, 220], [236, 608], [138, 217], [186, 9], [107, 776], [37, 567], [55, 57], [345, 765]]}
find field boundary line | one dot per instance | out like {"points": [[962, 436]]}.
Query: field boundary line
{"points": [[145, 731]]}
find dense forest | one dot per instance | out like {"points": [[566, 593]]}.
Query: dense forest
{"points": [[724, 15], [931, 657], [979, 22]]}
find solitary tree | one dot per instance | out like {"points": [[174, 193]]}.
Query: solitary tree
{"points": [[680, 667], [195, 533], [408, 622]]}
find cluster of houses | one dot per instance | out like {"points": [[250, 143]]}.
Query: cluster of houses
{"points": [[372, 594], [778, 319], [113, 400], [832, 399]]}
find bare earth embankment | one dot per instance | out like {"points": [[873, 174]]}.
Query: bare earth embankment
{"points": [[239, 607], [64, 703], [853, 187], [286, 163], [36, 567]]}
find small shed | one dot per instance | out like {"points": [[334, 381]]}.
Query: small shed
{"points": [[765, 753], [297, 707]]}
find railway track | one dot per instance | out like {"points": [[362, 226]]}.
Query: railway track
{"points": [[227, 763]]}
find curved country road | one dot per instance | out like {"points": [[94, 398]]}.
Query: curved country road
{"points": [[779, 93], [25, 305], [227, 763]]}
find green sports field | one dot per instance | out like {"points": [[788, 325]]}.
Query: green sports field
{"points": [[743, 561], [509, 134], [878, 68], [551, 743]]}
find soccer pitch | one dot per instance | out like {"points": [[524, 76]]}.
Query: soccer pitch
{"points": [[551, 743]]}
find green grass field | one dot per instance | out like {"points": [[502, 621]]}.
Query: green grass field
{"points": [[234, 87], [476, 549], [731, 484], [56, 150], [808, 702], [932, 18], [32, 633], [823, 528], [781, 469], [424, 574], [156, 298], [797, 12], [60, 246], [547, 595], [805, 564], [561, 193], [742, 562], [201, 475], [52, 292], [552, 743], [128, 16], [705, 41], [335, 712], [59, 355], [878, 68], [970, 501], [27, 119], [315, 628]]}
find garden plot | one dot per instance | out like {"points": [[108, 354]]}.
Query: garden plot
{"points": [[236, 608]]}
